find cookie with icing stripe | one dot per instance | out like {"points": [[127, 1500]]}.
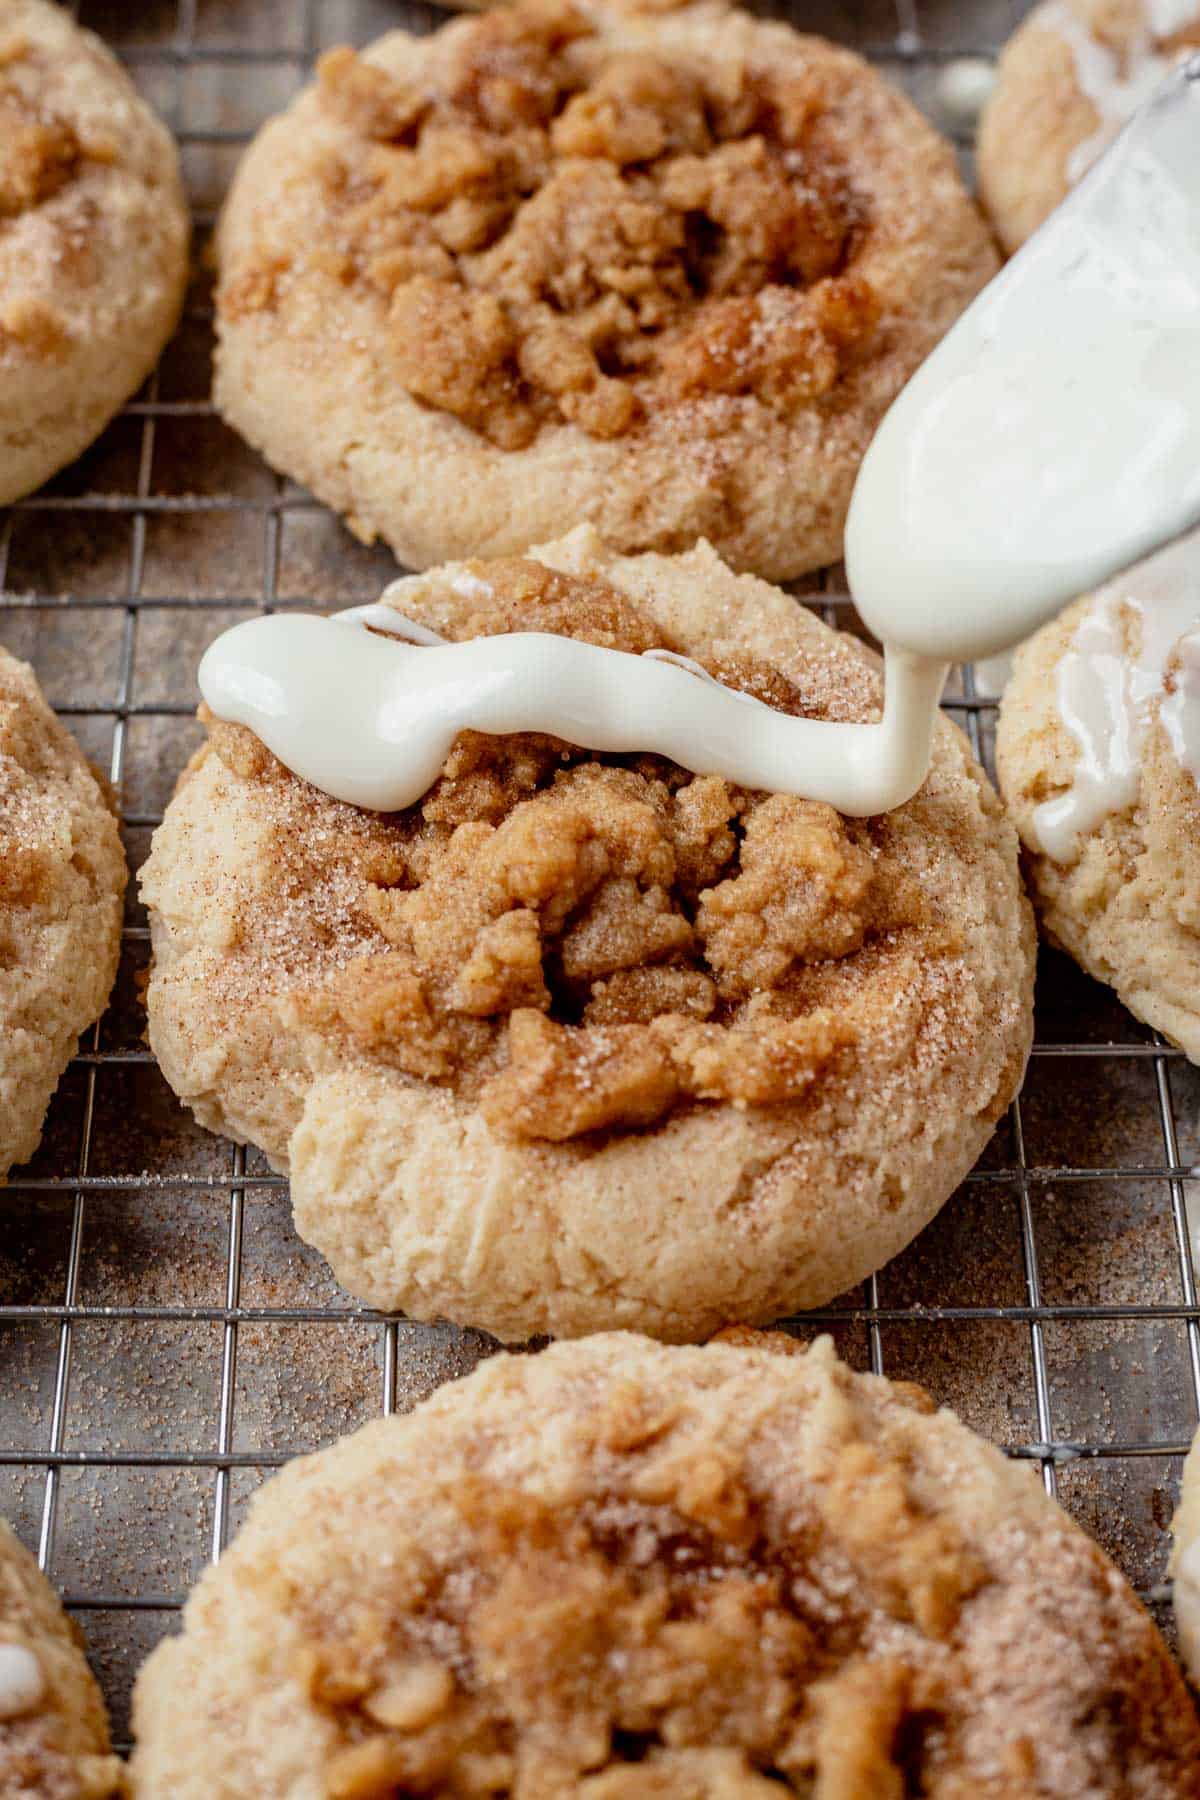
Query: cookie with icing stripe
{"points": [[1069, 79], [1098, 756], [582, 1039]]}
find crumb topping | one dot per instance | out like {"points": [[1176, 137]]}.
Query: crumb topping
{"points": [[39, 153], [564, 231], [653, 1642], [616, 1572], [580, 943]]}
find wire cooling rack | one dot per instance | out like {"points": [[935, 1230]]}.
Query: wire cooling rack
{"points": [[165, 1340]]}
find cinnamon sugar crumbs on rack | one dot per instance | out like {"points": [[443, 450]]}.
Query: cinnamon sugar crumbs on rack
{"points": [[581, 944], [569, 232]]}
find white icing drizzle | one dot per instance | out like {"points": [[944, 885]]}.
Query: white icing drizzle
{"points": [[694, 668], [1052, 438], [993, 673], [22, 1683], [1168, 17], [1179, 712], [373, 723], [1117, 87], [471, 587], [1108, 694], [963, 90], [380, 617]]}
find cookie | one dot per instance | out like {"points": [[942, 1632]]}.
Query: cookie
{"points": [[660, 274], [616, 1569], [53, 1728], [93, 250], [1069, 79], [62, 879], [1098, 753], [1185, 1563], [581, 1041]]}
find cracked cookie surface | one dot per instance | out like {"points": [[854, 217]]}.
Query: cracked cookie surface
{"points": [[580, 1040], [661, 273], [703, 1573]]}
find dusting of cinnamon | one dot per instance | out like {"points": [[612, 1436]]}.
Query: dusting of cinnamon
{"points": [[578, 944], [567, 232], [655, 1641]]}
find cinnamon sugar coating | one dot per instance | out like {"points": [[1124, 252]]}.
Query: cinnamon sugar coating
{"points": [[560, 968], [93, 241], [1124, 900], [562, 234], [706, 1573], [62, 880]]}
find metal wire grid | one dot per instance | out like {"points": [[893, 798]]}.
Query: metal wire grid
{"points": [[1146, 1288]]}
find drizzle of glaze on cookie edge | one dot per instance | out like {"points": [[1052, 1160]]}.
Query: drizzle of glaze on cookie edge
{"points": [[1108, 694], [22, 1683], [1117, 90]]}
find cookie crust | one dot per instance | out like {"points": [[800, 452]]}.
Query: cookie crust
{"points": [[62, 879], [56, 1747], [705, 1572], [93, 241], [352, 361], [424, 1196]]}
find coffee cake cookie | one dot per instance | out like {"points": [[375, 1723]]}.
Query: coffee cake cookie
{"points": [[704, 1573], [581, 1040], [62, 878], [1098, 754], [1069, 79], [53, 1727], [93, 241], [663, 274]]}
